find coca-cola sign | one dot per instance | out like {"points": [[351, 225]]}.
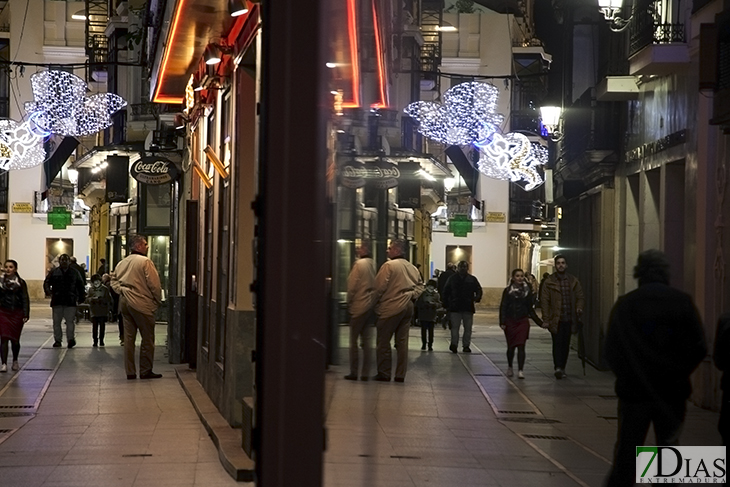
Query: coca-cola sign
{"points": [[154, 170], [383, 175]]}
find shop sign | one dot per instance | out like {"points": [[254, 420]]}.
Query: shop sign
{"points": [[154, 170], [22, 208], [382, 175], [496, 217]]}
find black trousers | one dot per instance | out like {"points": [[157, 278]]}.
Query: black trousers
{"points": [[426, 332], [561, 345], [98, 328], [634, 419]]}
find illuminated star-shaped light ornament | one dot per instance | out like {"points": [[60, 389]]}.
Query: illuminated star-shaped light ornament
{"points": [[468, 117], [61, 106]]}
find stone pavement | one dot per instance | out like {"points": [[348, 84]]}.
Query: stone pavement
{"points": [[70, 418], [459, 421]]}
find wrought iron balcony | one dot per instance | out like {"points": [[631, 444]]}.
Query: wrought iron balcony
{"points": [[645, 31]]}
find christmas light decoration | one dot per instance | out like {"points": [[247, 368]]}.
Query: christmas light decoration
{"points": [[21, 147], [514, 158], [62, 107], [467, 115]]}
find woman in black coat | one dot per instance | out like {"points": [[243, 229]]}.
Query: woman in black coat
{"points": [[515, 309], [14, 312]]}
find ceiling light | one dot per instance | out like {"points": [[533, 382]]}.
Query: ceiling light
{"points": [[80, 15], [237, 7], [212, 54]]}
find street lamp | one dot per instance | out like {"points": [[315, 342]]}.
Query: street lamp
{"points": [[611, 10], [550, 116]]}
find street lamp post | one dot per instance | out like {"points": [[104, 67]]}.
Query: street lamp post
{"points": [[611, 10]]}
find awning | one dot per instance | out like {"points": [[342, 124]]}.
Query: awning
{"points": [[468, 172], [58, 158]]}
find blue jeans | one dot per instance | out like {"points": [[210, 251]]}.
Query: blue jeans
{"points": [[456, 318]]}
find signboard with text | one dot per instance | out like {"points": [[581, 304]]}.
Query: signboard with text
{"points": [[154, 170], [22, 208]]}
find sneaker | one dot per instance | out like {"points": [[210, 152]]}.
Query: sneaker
{"points": [[94, 344], [466, 350], [430, 348], [423, 347], [101, 343], [510, 372], [121, 343], [559, 374], [381, 378], [520, 375], [453, 348], [4, 368], [351, 377], [57, 345], [71, 343], [15, 365]]}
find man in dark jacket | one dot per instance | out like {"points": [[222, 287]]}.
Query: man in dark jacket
{"points": [[441, 284], [66, 288], [654, 342], [721, 357], [461, 291]]}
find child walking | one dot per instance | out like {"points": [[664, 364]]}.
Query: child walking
{"points": [[100, 301], [428, 304]]}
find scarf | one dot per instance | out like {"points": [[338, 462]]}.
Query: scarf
{"points": [[516, 291], [10, 283]]}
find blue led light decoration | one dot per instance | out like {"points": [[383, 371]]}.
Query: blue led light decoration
{"points": [[61, 106]]}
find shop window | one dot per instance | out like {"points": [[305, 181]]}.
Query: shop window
{"points": [[224, 214], [156, 213], [457, 253], [207, 269], [56, 247]]}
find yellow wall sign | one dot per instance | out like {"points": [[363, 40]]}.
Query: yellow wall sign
{"points": [[496, 217], [22, 208]]}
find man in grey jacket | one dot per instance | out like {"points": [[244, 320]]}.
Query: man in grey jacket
{"points": [[360, 286], [137, 282], [397, 286]]}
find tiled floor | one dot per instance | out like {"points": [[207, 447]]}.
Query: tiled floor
{"points": [[458, 421], [95, 428]]}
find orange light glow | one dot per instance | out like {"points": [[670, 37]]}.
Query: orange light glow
{"points": [[354, 60], [381, 61], [163, 67]]}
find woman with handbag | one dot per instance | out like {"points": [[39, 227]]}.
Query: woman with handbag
{"points": [[514, 310], [14, 312]]}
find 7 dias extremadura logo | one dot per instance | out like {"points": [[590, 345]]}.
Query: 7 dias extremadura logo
{"points": [[680, 464]]}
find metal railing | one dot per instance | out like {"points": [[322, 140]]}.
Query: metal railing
{"points": [[645, 31]]}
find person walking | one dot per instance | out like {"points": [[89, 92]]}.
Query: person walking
{"points": [[137, 282], [442, 280], [75, 265], [721, 357], [360, 288], [539, 289], [100, 300], [115, 314], [428, 304], [654, 342], [562, 306], [514, 310], [67, 290], [14, 312], [461, 291], [397, 287], [103, 269]]}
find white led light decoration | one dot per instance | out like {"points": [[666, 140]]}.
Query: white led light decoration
{"points": [[62, 107], [20, 146], [467, 115], [513, 157]]}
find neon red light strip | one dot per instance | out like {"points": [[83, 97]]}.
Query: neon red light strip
{"points": [[163, 67], [381, 60], [354, 60]]}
